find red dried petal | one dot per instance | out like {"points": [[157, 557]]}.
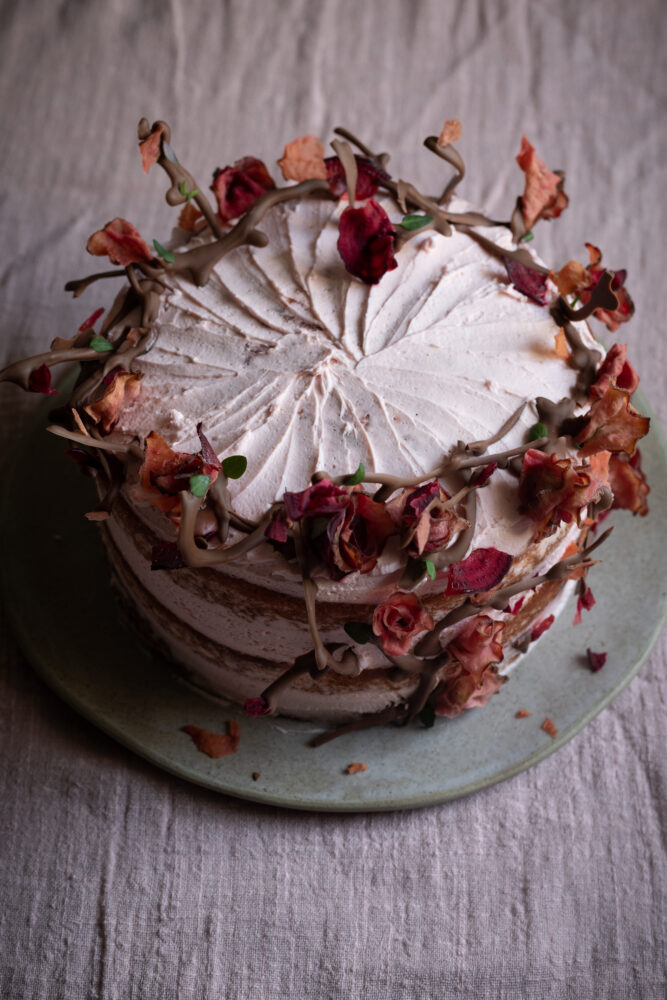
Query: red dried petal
{"points": [[615, 370], [539, 628], [207, 451], [628, 484], [321, 498], [612, 425], [89, 323], [543, 196], [357, 536], [596, 660], [398, 619], [256, 707], [39, 380], [303, 159], [532, 283], [366, 242], [481, 571], [585, 602], [216, 744], [277, 527], [188, 217], [369, 177], [237, 187], [151, 147], [121, 242], [552, 490]]}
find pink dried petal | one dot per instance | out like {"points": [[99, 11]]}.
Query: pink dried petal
{"points": [[89, 323], [121, 242], [238, 187], [151, 147], [532, 283], [303, 159], [541, 627]]}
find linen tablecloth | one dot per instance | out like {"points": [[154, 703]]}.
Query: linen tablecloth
{"points": [[119, 881]]}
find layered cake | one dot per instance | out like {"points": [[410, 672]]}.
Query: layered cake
{"points": [[351, 442]]}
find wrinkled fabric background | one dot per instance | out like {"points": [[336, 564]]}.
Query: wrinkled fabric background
{"points": [[119, 881]]}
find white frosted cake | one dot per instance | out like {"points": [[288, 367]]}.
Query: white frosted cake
{"points": [[348, 459]]}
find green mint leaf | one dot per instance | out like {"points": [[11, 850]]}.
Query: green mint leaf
{"points": [[429, 566], [537, 431], [527, 237], [101, 344], [169, 153], [415, 221], [199, 484], [164, 253], [234, 466], [356, 477], [359, 632], [427, 716], [183, 189], [190, 195]]}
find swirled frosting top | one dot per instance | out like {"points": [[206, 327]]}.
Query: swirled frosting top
{"points": [[290, 361]]}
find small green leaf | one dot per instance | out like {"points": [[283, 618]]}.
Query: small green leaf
{"points": [[199, 484], [183, 189], [429, 566], [527, 237], [356, 477], [169, 153], [101, 344], [427, 716], [415, 221], [190, 195], [164, 253], [576, 300], [234, 466], [359, 632], [537, 431]]}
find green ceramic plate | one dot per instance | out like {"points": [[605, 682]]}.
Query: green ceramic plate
{"points": [[56, 584]]}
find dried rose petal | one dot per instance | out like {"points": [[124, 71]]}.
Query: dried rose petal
{"points": [[549, 728], [356, 536], [207, 451], [575, 278], [256, 707], [543, 196], [188, 217], [552, 490], [532, 283], [303, 159], [366, 242], [277, 527], [121, 242], [585, 602], [628, 483], [39, 380], [151, 147], [596, 660], [481, 571], [461, 692], [89, 323], [478, 645], [237, 187], [369, 177], [522, 714], [118, 389], [216, 744], [356, 768], [398, 619], [419, 514], [451, 132], [539, 628], [612, 424], [321, 498], [615, 370]]}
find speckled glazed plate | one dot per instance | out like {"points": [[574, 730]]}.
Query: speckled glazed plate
{"points": [[56, 583]]}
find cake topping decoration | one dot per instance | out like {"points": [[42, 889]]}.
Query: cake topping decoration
{"points": [[596, 660], [333, 526]]}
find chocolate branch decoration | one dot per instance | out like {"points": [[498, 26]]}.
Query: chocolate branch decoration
{"points": [[129, 331]]}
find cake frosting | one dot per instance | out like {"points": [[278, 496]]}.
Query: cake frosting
{"points": [[461, 382]]}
